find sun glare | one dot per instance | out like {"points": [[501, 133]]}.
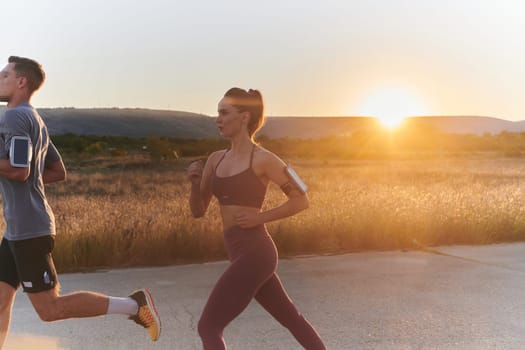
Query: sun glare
{"points": [[392, 105]]}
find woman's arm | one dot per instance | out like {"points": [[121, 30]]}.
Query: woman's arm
{"points": [[199, 175], [273, 169]]}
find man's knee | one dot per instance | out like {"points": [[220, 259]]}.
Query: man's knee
{"points": [[49, 311], [47, 305]]}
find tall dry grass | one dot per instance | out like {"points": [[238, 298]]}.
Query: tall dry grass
{"points": [[129, 216], [389, 204]]}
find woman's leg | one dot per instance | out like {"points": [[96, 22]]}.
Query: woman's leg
{"points": [[230, 296], [275, 300]]}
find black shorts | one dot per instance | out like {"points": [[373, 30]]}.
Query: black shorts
{"points": [[28, 262]]}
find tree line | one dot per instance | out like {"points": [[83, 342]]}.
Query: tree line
{"points": [[369, 143]]}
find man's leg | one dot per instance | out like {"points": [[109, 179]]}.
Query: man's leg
{"points": [[51, 306], [38, 276], [39, 280], [7, 297], [9, 283]]}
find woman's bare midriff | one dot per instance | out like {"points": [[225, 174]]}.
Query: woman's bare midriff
{"points": [[228, 213]]}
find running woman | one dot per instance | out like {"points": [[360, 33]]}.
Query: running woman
{"points": [[238, 177], [29, 237]]}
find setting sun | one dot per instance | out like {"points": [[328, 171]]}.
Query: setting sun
{"points": [[392, 105]]}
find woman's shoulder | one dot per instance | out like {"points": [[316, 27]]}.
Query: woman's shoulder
{"points": [[214, 157], [265, 157], [262, 153], [218, 153]]}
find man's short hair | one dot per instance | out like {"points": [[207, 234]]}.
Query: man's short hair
{"points": [[31, 70]]}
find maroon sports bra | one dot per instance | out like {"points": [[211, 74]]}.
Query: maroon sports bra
{"points": [[243, 189]]}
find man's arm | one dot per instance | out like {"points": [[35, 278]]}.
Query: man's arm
{"points": [[54, 172], [13, 173], [54, 169], [16, 124]]}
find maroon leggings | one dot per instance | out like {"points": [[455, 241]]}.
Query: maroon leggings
{"points": [[251, 274]]}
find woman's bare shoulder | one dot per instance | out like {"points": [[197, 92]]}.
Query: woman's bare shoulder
{"points": [[214, 157], [218, 153], [266, 157]]}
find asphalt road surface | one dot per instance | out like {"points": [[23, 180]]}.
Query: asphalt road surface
{"points": [[380, 300]]}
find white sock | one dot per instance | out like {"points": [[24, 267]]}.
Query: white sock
{"points": [[125, 306]]}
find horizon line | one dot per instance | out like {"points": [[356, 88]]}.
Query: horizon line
{"points": [[279, 116]]}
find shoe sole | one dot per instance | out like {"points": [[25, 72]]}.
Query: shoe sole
{"points": [[151, 305]]}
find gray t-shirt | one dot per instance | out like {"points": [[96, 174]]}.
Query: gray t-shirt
{"points": [[26, 211]]}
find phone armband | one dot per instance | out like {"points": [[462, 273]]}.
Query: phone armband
{"points": [[20, 151], [294, 182]]}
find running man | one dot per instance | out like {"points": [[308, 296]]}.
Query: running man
{"points": [[28, 240]]}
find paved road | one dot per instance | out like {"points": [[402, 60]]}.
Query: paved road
{"points": [[379, 300]]}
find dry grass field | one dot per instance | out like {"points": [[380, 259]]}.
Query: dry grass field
{"points": [[136, 214]]}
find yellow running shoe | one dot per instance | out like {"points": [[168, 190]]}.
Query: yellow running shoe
{"points": [[147, 315]]}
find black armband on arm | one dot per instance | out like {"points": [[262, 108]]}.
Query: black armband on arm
{"points": [[287, 188]]}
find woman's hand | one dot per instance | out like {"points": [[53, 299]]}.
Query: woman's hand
{"points": [[194, 171], [246, 218]]}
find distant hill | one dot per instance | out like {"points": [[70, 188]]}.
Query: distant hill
{"points": [[472, 125], [314, 127], [145, 122], [129, 122]]}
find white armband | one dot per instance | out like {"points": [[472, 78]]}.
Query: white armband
{"points": [[295, 182], [20, 151]]}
